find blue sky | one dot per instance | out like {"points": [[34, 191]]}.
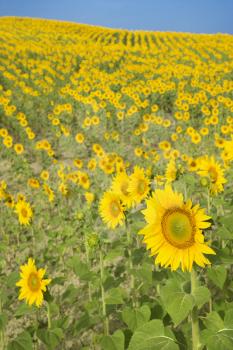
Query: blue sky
{"points": [[201, 16]]}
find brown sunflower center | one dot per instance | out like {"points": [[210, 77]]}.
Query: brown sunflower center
{"points": [[124, 188], [115, 209], [34, 282], [178, 227], [24, 212], [213, 174], [141, 187]]}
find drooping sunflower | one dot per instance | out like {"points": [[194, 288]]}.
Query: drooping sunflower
{"points": [[24, 211], [120, 186], [139, 185], [210, 168], [111, 209], [32, 285], [174, 230]]}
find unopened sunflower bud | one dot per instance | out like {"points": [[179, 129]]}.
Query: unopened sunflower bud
{"points": [[204, 182], [93, 240]]}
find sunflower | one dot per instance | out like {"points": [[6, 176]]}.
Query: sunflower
{"points": [[111, 209], [138, 185], [210, 168], [18, 148], [34, 183], [79, 138], [63, 188], [24, 211], [174, 230], [32, 285], [89, 196], [49, 192], [120, 186], [171, 171]]}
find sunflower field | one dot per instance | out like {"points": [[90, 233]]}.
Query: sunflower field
{"points": [[116, 201]]}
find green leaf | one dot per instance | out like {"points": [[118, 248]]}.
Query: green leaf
{"points": [[3, 321], [114, 254], [177, 303], [50, 337], [201, 296], [219, 334], [114, 296], [81, 269], [113, 342], [227, 221], [12, 279], [70, 294], [22, 342], [224, 233], [145, 273], [213, 321], [24, 309], [151, 336], [218, 275], [135, 318], [228, 319]]}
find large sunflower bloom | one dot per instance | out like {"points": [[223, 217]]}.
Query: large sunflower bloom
{"points": [[32, 285], [174, 230], [111, 209]]}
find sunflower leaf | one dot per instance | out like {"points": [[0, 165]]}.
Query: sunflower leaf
{"points": [[177, 303], [135, 318], [113, 342], [218, 275], [201, 296], [22, 342], [218, 335], [151, 336]]}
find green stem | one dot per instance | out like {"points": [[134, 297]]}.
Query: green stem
{"points": [[208, 201], [88, 264], [194, 313], [132, 281], [106, 325], [2, 338], [49, 315]]}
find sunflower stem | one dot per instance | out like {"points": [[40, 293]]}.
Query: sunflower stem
{"points": [[194, 314], [2, 338], [132, 280], [88, 264], [106, 325], [208, 201], [49, 315]]}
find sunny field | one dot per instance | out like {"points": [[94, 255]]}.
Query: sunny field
{"points": [[116, 202]]}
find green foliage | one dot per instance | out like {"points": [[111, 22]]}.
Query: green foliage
{"points": [[22, 342], [151, 336], [176, 301]]}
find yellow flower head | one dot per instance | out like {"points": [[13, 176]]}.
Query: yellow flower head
{"points": [[139, 185], [210, 168], [89, 196], [32, 285], [24, 211], [174, 230], [111, 209], [18, 148], [120, 186], [171, 171]]}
